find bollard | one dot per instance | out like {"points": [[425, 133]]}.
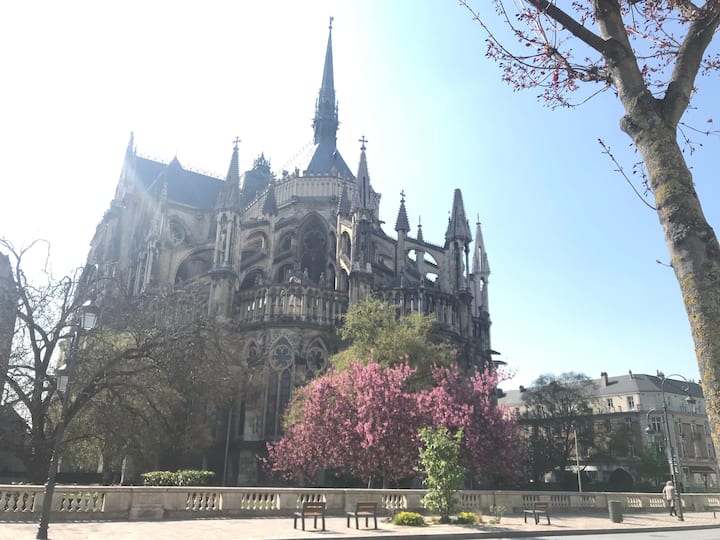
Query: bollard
{"points": [[615, 509]]}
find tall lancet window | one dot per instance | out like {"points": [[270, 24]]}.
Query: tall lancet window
{"points": [[279, 386]]}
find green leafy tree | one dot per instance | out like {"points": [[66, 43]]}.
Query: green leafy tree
{"points": [[556, 406], [439, 461], [159, 410], [652, 465], [374, 330]]}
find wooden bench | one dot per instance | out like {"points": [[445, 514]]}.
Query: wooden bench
{"points": [[314, 510], [538, 509], [363, 509]]}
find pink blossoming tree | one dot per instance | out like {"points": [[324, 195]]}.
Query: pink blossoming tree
{"points": [[366, 421]]}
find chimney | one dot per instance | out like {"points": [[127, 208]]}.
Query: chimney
{"points": [[630, 372], [522, 388], [603, 378]]}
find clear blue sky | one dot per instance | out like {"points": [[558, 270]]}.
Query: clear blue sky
{"points": [[574, 283]]}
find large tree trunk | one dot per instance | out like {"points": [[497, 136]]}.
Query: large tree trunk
{"points": [[693, 246], [37, 464]]}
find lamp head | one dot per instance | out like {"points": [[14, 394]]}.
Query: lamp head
{"points": [[88, 316], [62, 378]]}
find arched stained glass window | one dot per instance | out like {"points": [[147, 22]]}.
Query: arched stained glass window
{"points": [[279, 386]]}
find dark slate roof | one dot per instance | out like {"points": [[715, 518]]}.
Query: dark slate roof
{"points": [[184, 187], [628, 384], [327, 161], [625, 384], [255, 181]]}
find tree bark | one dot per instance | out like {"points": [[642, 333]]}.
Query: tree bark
{"points": [[691, 242]]}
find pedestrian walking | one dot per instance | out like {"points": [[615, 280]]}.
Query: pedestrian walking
{"points": [[669, 494]]}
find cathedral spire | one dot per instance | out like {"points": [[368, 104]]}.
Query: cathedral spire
{"points": [[326, 159], [480, 275], [230, 195], [130, 152], [343, 208], [458, 227], [480, 260], [270, 204], [363, 195], [233, 175], [326, 116], [402, 223]]}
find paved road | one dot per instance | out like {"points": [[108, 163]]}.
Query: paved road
{"points": [[707, 534], [651, 525]]}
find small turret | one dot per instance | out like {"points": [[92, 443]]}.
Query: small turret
{"points": [[458, 226], [401, 223], [229, 197], [457, 241], [480, 273], [270, 204], [364, 195], [343, 208]]}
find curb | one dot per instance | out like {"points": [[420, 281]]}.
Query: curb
{"points": [[526, 534]]}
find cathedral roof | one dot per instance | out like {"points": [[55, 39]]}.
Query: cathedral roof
{"points": [[184, 187], [327, 161]]}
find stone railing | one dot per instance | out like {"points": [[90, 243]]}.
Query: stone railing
{"points": [[291, 302], [82, 503]]}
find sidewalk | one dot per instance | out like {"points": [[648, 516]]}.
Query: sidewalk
{"points": [[282, 528]]}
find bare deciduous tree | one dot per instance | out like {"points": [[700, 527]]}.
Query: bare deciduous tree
{"points": [[137, 364], [650, 54]]}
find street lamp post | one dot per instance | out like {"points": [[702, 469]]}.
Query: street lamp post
{"points": [[577, 459], [674, 471], [87, 320]]}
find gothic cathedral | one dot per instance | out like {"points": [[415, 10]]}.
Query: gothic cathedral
{"points": [[281, 256]]}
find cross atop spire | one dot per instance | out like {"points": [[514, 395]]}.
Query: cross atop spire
{"points": [[236, 142], [362, 141], [331, 21]]}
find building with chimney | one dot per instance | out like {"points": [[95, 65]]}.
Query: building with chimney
{"points": [[280, 256], [629, 419]]}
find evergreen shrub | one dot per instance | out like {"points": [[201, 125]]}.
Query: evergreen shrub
{"points": [[179, 478]]}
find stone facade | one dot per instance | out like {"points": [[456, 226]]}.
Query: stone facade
{"points": [[623, 409], [280, 257]]}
